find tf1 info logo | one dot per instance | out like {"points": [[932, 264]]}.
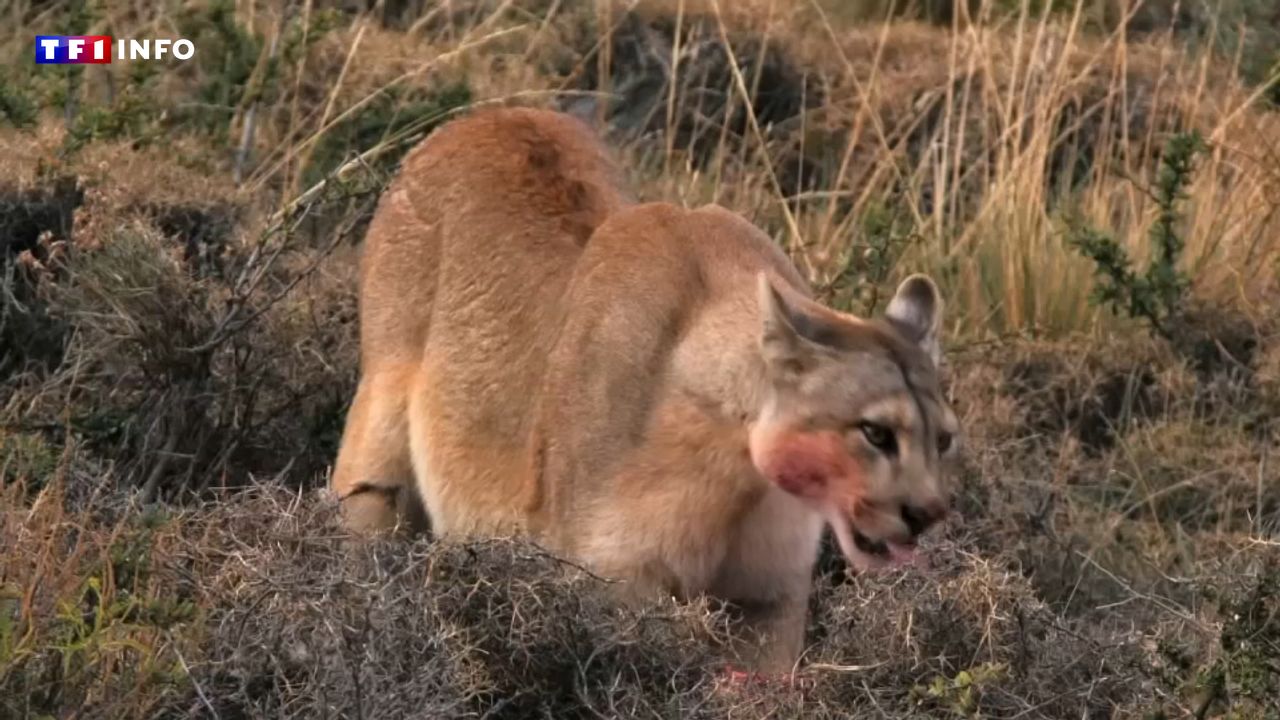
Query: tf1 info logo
{"points": [[97, 49]]}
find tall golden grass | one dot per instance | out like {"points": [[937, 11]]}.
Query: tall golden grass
{"points": [[1003, 97], [961, 130]]}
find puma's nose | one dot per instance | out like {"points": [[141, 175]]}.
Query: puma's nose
{"points": [[920, 517]]}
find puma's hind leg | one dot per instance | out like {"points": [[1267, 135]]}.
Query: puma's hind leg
{"points": [[373, 474]]}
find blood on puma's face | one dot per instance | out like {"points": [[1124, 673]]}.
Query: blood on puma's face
{"points": [[854, 423]]}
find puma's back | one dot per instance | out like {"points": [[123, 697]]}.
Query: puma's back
{"points": [[464, 266]]}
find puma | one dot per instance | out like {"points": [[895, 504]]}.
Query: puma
{"points": [[647, 389]]}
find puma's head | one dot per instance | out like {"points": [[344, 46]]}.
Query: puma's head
{"points": [[853, 420]]}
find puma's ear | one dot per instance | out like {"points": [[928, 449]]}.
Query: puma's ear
{"points": [[916, 310], [786, 351]]}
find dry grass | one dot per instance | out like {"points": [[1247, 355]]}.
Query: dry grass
{"points": [[981, 142], [251, 606], [177, 348]]}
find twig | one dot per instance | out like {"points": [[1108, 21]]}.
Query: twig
{"points": [[176, 426], [1160, 602], [204, 699], [832, 667], [231, 323], [250, 115], [539, 552]]}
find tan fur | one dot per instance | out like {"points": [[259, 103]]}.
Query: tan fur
{"points": [[645, 388]]}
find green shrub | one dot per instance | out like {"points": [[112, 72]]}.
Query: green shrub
{"points": [[26, 457], [1157, 294], [867, 263], [17, 107]]}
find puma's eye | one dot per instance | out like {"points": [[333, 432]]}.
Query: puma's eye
{"points": [[879, 436], [944, 442]]}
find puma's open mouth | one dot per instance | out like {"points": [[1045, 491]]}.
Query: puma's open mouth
{"points": [[865, 553], [869, 546], [890, 553]]}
